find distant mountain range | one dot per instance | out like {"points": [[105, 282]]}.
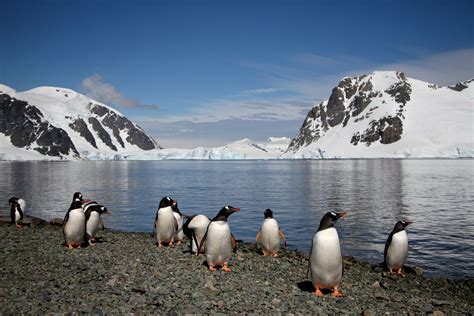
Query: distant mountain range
{"points": [[381, 115]]}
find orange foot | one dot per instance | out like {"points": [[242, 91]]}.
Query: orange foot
{"points": [[274, 255], [69, 246], [318, 292], [212, 268], [265, 253], [171, 244], [18, 226], [337, 293], [226, 268]]}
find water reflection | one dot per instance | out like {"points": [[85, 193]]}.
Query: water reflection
{"points": [[437, 195]]}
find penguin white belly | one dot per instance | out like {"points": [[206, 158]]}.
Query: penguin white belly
{"points": [[326, 259], [92, 226], [179, 235], [17, 216], [397, 251], [199, 226], [218, 244], [75, 227], [269, 238], [22, 205], [165, 227]]}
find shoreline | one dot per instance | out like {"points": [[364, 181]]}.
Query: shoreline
{"points": [[125, 272]]}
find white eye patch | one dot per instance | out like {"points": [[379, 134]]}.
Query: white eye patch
{"points": [[333, 214], [227, 207], [102, 208]]}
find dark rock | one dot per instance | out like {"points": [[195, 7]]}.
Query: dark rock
{"points": [[56, 221], [81, 127], [25, 125], [102, 133]]}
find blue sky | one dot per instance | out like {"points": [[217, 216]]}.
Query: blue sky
{"points": [[209, 72]]}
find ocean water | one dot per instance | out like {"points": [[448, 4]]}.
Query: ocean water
{"points": [[437, 195]]}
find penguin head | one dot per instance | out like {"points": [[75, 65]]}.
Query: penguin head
{"points": [[77, 196], [225, 212], [13, 200], [166, 201], [175, 208], [103, 210], [268, 213], [401, 225], [329, 219]]}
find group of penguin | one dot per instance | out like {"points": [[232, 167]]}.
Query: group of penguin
{"points": [[213, 238]]}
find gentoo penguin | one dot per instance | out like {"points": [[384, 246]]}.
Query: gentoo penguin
{"points": [[325, 260], [93, 212], [219, 241], [195, 228], [268, 237], [17, 210], [396, 248], [179, 234], [165, 222], [74, 226]]}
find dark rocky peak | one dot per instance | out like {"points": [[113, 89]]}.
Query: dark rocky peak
{"points": [[460, 86], [117, 123], [27, 128]]}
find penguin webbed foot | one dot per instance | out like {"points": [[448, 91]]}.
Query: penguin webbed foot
{"points": [[226, 268], [318, 292], [337, 293]]}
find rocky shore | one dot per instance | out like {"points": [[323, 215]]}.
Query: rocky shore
{"points": [[126, 273]]}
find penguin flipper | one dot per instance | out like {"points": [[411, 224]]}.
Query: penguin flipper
{"points": [[385, 251], [176, 226], [202, 242], [282, 236], [20, 211], [233, 242], [257, 239], [12, 214], [188, 232], [101, 222], [195, 241]]}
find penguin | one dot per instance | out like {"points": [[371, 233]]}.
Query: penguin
{"points": [[219, 240], [166, 224], [325, 259], [179, 234], [268, 237], [74, 226], [396, 248], [93, 212], [195, 228], [17, 210]]}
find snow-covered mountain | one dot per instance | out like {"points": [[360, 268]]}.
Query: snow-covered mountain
{"points": [[58, 123], [245, 148], [387, 115]]}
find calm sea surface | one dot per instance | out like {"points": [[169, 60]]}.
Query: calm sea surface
{"points": [[437, 195]]}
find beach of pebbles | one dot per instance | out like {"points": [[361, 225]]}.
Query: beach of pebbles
{"points": [[126, 273]]}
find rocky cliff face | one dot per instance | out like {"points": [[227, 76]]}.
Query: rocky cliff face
{"points": [[366, 116], [352, 99], [27, 128], [65, 124]]}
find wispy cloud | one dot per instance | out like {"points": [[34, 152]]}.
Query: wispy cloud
{"points": [[96, 88]]}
